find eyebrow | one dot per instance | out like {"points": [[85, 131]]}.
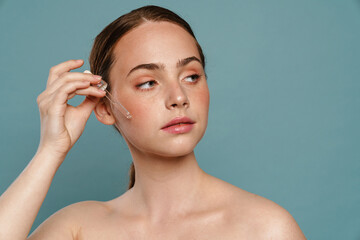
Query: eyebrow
{"points": [[154, 66], [185, 61]]}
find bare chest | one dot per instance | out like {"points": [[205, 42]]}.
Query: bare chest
{"points": [[210, 228]]}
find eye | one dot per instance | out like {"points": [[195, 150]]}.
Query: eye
{"points": [[192, 78], [146, 85]]}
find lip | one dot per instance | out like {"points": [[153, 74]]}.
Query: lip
{"points": [[179, 120], [179, 125]]}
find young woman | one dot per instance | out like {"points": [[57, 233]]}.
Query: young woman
{"points": [[155, 67]]}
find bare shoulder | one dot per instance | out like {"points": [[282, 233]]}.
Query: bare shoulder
{"points": [[271, 220], [66, 223], [259, 217]]}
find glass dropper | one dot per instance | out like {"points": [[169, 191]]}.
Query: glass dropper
{"points": [[103, 85]]}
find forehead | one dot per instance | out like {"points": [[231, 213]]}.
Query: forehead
{"points": [[153, 42]]}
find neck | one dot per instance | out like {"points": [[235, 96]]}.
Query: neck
{"points": [[166, 187]]}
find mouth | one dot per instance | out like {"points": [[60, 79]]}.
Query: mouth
{"points": [[178, 121], [179, 125]]}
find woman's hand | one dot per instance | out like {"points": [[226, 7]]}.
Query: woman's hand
{"points": [[61, 123], [61, 126]]}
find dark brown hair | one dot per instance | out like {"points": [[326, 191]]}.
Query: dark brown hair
{"points": [[102, 57]]}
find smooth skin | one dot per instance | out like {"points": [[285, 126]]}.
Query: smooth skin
{"points": [[173, 198]]}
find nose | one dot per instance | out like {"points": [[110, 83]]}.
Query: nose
{"points": [[176, 97]]}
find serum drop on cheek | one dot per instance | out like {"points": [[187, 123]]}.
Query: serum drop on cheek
{"points": [[103, 85]]}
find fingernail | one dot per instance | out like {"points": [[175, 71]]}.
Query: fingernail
{"points": [[97, 77]]}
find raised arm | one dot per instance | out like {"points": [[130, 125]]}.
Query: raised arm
{"points": [[61, 127]]}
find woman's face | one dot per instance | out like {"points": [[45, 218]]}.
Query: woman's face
{"points": [[157, 75]]}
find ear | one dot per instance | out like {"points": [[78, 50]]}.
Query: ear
{"points": [[103, 113]]}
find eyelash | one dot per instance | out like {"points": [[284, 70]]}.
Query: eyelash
{"points": [[195, 77]]}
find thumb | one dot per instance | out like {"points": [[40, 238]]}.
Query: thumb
{"points": [[88, 105]]}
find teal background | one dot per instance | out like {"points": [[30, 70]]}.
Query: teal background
{"points": [[284, 115]]}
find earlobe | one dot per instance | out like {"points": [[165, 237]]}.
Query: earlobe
{"points": [[103, 113]]}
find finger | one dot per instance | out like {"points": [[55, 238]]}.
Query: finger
{"points": [[63, 67], [72, 76], [90, 91], [52, 104], [57, 102], [49, 94], [88, 105], [70, 89]]}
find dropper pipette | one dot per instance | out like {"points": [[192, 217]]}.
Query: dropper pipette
{"points": [[103, 85]]}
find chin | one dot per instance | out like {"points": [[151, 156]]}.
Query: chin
{"points": [[169, 149], [175, 152]]}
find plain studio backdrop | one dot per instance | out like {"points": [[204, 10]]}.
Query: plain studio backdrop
{"points": [[284, 110]]}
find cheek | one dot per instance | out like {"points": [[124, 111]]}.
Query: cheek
{"points": [[202, 107], [144, 113], [202, 98], [143, 110]]}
